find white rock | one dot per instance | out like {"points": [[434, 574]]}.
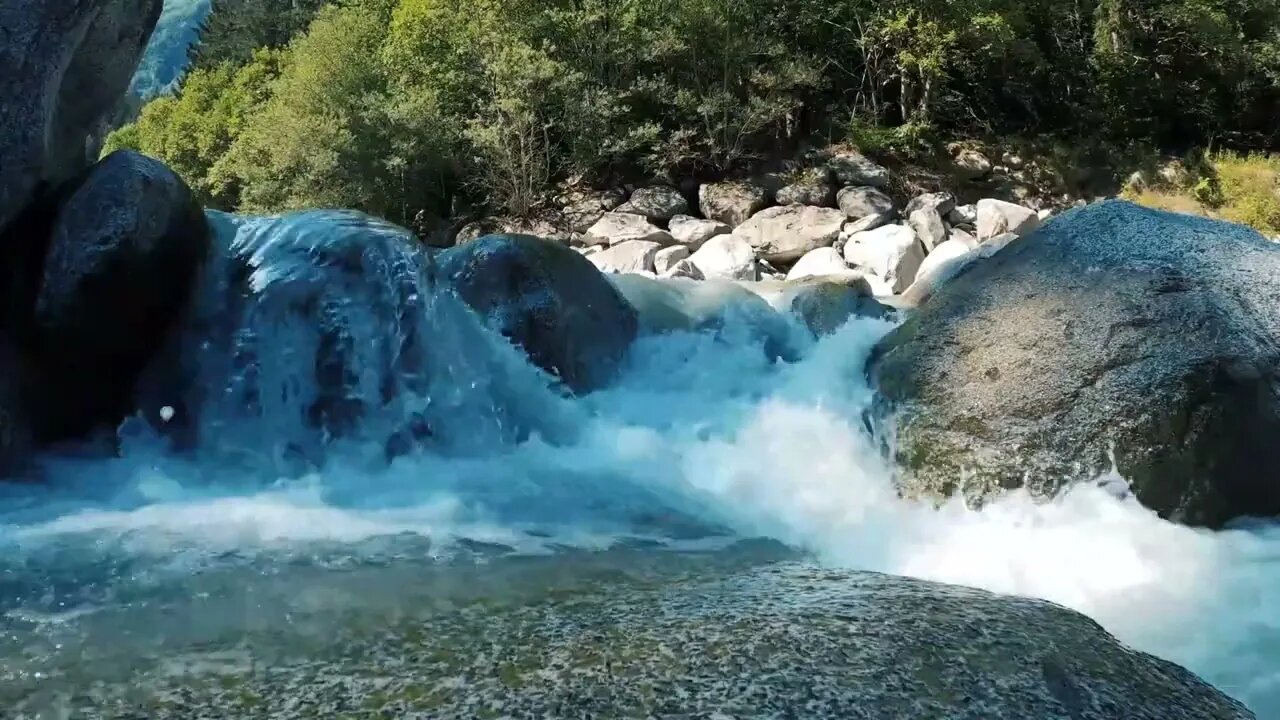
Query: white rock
{"points": [[1044, 214], [783, 234], [990, 247], [632, 256], [892, 253], [929, 227], [615, 228], [963, 215], [1012, 160], [997, 217], [731, 203], [852, 168], [944, 263], [693, 232], [964, 238], [658, 202], [726, 257], [859, 202], [669, 257], [589, 249], [823, 262]]}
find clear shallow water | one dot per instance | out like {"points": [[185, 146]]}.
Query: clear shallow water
{"points": [[702, 441]]}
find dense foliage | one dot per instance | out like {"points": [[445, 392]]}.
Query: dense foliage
{"points": [[401, 106]]}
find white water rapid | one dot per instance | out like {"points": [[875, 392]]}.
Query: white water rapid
{"points": [[701, 438]]}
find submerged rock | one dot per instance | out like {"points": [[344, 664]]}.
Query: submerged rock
{"points": [[123, 257], [667, 638], [66, 65], [547, 299], [826, 305], [1114, 332]]}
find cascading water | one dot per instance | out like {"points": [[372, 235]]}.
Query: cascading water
{"points": [[332, 408]]}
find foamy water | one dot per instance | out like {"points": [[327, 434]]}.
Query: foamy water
{"points": [[703, 437]]}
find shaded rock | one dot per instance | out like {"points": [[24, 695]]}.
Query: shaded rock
{"points": [[870, 222], [860, 202], [893, 253], [124, 254], [619, 227], [547, 299], [972, 165], [811, 188], [929, 227], [826, 306], [667, 258], [66, 66], [15, 434], [731, 203], [726, 257], [684, 269], [658, 203], [822, 262], [963, 215], [997, 217], [627, 257], [853, 168], [784, 234], [942, 203], [580, 216], [693, 232], [1114, 331]]}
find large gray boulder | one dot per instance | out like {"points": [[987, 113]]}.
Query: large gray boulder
{"points": [[66, 65], [692, 638], [785, 233], [1114, 332], [826, 304], [658, 203], [547, 299], [731, 203], [124, 253]]}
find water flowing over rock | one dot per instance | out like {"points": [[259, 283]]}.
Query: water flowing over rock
{"points": [[774, 641], [786, 233], [66, 65], [1114, 332], [547, 299], [825, 304], [123, 255], [731, 203]]}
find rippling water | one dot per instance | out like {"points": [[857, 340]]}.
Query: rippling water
{"points": [[219, 556]]}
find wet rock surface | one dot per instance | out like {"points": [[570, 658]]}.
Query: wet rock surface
{"points": [[642, 634], [1113, 332]]}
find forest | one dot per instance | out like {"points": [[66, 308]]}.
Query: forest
{"points": [[411, 109]]}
